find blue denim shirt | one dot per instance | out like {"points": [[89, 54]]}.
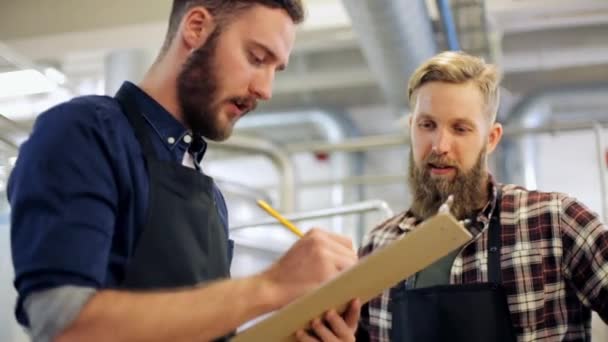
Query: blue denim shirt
{"points": [[79, 192]]}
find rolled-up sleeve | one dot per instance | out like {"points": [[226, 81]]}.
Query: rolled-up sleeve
{"points": [[63, 198]]}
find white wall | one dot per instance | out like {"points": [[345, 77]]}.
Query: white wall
{"points": [[568, 163]]}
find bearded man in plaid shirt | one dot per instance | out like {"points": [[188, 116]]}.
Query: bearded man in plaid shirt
{"points": [[538, 262]]}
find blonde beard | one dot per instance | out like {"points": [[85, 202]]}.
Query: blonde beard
{"points": [[469, 188]]}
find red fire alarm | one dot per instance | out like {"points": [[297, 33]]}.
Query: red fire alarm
{"points": [[324, 156]]}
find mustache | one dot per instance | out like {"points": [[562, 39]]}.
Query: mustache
{"points": [[435, 159]]}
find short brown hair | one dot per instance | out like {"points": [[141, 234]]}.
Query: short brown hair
{"points": [[224, 10], [459, 67]]}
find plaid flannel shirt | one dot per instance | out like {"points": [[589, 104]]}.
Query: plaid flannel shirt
{"points": [[554, 262]]}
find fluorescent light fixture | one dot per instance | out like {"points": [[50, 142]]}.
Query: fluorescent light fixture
{"points": [[322, 15], [55, 75], [24, 82]]}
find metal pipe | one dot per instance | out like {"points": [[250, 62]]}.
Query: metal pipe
{"points": [[449, 28], [277, 155], [351, 145], [271, 249], [15, 124], [601, 162], [328, 125], [395, 36], [362, 207], [9, 143], [399, 140], [242, 190], [357, 180], [533, 111], [127, 64]]}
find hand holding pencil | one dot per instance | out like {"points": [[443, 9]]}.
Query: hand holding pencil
{"points": [[315, 258]]}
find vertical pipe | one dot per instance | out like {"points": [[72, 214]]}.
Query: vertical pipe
{"points": [[449, 27], [599, 144], [121, 65]]}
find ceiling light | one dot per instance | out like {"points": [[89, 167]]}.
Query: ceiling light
{"points": [[25, 82], [55, 75]]}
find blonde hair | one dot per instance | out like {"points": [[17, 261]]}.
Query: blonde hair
{"points": [[459, 67]]}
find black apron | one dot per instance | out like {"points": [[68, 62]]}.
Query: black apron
{"points": [[183, 242], [469, 312]]}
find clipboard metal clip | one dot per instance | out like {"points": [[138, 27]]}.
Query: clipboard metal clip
{"points": [[447, 206]]}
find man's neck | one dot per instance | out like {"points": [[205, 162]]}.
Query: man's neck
{"points": [[160, 83], [485, 184]]}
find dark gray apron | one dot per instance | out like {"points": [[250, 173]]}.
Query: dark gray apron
{"points": [[469, 312], [183, 242]]}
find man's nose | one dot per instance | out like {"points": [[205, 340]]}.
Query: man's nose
{"points": [[261, 86], [442, 142]]}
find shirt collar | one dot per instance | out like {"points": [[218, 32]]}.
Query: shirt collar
{"points": [[171, 132], [409, 221]]}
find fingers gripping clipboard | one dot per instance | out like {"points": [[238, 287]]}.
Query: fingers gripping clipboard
{"points": [[431, 240]]}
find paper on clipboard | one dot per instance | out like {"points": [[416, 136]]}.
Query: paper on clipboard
{"points": [[431, 240]]}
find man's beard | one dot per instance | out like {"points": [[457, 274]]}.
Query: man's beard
{"points": [[197, 92], [428, 193]]}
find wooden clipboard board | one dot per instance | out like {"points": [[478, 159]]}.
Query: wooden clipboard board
{"points": [[428, 242]]}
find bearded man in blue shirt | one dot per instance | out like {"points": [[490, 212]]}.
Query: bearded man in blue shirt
{"points": [[117, 235]]}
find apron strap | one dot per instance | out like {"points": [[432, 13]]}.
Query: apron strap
{"points": [[130, 109], [495, 242]]}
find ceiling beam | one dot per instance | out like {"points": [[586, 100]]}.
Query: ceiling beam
{"points": [[32, 18]]}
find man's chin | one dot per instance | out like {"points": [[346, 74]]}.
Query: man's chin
{"points": [[448, 178], [221, 135]]}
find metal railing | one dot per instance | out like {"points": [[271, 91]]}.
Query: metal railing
{"points": [[353, 208], [278, 156]]}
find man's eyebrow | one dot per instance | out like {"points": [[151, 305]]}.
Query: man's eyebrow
{"points": [[425, 116], [465, 121]]}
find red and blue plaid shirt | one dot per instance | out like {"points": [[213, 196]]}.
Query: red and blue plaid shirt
{"points": [[554, 261]]}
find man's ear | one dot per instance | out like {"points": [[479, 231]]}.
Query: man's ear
{"points": [[494, 136], [196, 26]]}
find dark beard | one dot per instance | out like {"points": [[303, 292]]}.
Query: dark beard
{"points": [[429, 193], [197, 91]]}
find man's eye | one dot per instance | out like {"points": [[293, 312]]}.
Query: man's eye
{"points": [[255, 60]]}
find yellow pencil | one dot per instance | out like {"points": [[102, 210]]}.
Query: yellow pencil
{"points": [[285, 222]]}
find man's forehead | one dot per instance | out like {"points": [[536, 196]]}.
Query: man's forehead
{"points": [[270, 27], [442, 116]]}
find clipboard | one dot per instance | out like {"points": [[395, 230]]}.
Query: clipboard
{"points": [[431, 240]]}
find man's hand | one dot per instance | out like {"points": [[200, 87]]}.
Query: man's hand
{"points": [[334, 328], [315, 258]]}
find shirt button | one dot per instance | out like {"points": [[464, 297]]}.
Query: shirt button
{"points": [[187, 139], [171, 140]]}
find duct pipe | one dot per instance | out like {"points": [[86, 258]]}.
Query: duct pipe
{"points": [[396, 36]]}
